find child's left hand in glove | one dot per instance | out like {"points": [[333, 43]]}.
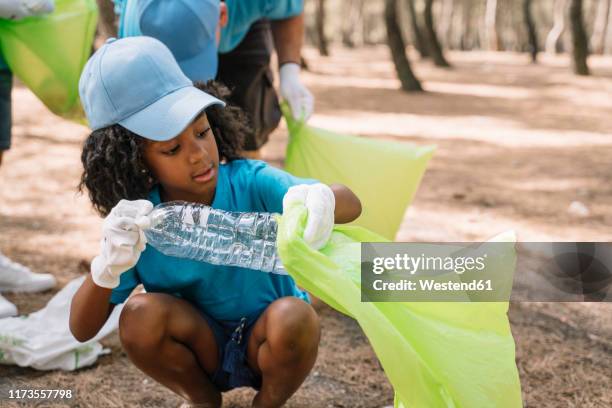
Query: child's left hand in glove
{"points": [[320, 201]]}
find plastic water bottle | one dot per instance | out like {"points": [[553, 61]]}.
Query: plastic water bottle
{"points": [[199, 232]]}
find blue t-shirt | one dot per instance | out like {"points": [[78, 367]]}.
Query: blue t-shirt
{"points": [[224, 293], [242, 14]]}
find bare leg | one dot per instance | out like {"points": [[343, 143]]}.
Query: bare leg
{"points": [[1, 151], [170, 341], [283, 348], [317, 304]]}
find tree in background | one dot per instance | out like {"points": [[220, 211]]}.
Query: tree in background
{"points": [[531, 31], [554, 36], [600, 26], [432, 39], [580, 46], [446, 21], [492, 38], [353, 12], [396, 44], [468, 39], [417, 36], [320, 23], [608, 36]]}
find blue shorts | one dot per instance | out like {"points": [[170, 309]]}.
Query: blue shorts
{"points": [[6, 84], [232, 341]]}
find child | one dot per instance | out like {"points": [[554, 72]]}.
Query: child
{"points": [[199, 329]]}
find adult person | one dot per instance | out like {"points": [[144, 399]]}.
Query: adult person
{"points": [[15, 277], [232, 42]]}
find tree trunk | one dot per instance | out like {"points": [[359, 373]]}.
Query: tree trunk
{"points": [[432, 39], [531, 31], [518, 39], [107, 24], [398, 49], [354, 13], [491, 25], [455, 37], [600, 27], [370, 25], [580, 45], [320, 23], [468, 37], [463, 26], [608, 36], [417, 36], [552, 40], [446, 22]]}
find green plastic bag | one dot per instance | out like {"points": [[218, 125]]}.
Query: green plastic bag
{"points": [[384, 175], [47, 53], [458, 355]]}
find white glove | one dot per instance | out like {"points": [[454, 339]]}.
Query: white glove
{"points": [[293, 91], [17, 9], [320, 201], [122, 242]]}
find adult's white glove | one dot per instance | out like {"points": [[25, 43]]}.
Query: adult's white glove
{"points": [[122, 242], [16, 9], [320, 201], [294, 92]]}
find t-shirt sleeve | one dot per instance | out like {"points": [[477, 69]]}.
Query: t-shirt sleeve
{"points": [[278, 10], [270, 187], [127, 282], [243, 13]]}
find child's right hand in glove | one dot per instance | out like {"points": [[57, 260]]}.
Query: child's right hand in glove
{"points": [[122, 242]]}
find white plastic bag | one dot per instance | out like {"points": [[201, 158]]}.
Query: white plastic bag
{"points": [[42, 340]]}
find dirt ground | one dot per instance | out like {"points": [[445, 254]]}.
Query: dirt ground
{"points": [[517, 144]]}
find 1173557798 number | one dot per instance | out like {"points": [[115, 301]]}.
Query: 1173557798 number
{"points": [[40, 394]]}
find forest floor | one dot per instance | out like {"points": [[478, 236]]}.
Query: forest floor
{"points": [[517, 144]]}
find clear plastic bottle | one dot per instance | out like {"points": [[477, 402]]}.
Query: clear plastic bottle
{"points": [[199, 232]]}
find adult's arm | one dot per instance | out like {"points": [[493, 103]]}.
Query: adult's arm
{"points": [[288, 36]]}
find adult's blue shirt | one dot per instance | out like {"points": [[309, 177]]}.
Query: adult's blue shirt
{"points": [[224, 293], [242, 14]]}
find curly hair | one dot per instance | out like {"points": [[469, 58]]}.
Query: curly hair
{"points": [[113, 161]]}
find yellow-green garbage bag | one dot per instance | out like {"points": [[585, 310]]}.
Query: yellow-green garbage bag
{"points": [[454, 354], [384, 175], [47, 53]]}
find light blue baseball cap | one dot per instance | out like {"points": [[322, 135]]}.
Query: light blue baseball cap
{"points": [[188, 28], [136, 82]]}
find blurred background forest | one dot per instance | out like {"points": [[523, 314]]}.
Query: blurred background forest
{"points": [[432, 26]]}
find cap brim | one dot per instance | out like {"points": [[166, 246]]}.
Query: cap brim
{"points": [[203, 66], [169, 115]]}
